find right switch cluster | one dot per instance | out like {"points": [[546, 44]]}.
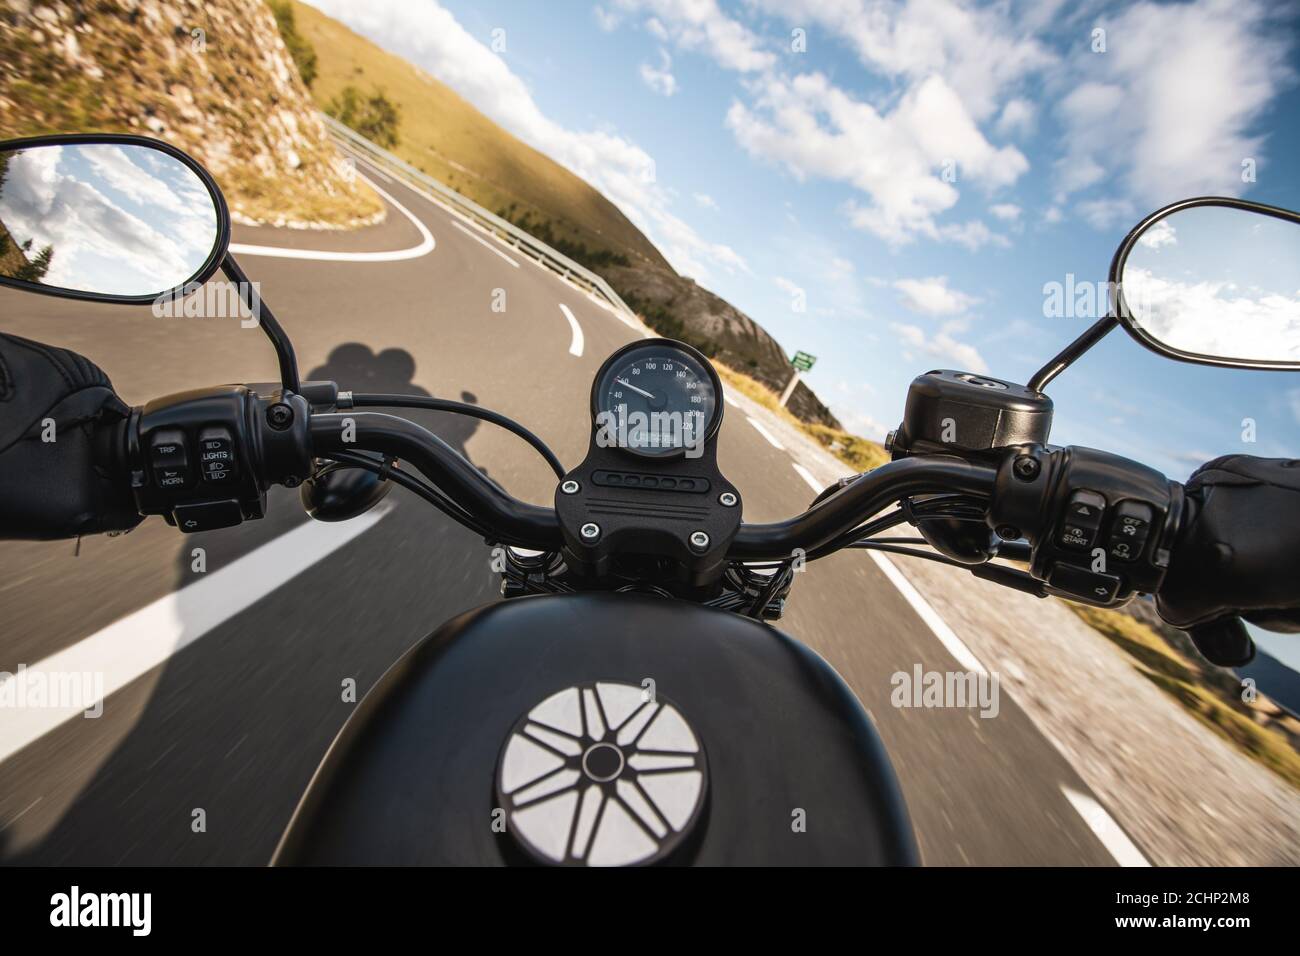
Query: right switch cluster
{"points": [[1109, 522]]}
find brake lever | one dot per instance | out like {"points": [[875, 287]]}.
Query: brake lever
{"points": [[1224, 642]]}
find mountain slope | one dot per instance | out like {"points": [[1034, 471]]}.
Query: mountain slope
{"points": [[446, 137], [450, 140]]}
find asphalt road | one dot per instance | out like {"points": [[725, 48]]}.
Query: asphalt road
{"points": [[244, 695]]}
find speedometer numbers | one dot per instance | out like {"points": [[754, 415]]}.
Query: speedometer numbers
{"points": [[656, 399]]}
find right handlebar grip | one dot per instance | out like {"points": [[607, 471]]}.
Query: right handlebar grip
{"points": [[1236, 553]]}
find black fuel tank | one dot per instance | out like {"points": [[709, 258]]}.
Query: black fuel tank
{"points": [[795, 773]]}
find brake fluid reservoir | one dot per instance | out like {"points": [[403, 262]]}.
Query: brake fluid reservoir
{"points": [[951, 409]]}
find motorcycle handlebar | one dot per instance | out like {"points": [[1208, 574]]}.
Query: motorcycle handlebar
{"points": [[517, 522], [532, 526], [852, 504]]}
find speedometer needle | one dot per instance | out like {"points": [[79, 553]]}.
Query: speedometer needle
{"points": [[640, 391]]}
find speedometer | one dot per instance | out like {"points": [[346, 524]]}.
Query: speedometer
{"points": [[657, 398]]}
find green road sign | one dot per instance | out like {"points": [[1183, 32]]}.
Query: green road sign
{"points": [[803, 361]]}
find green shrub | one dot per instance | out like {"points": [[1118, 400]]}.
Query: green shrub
{"points": [[375, 117], [300, 49]]}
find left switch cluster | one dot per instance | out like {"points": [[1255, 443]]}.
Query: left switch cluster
{"points": [[176, 465]]}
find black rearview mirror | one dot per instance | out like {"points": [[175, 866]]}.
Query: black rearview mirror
{"points": [[111, 218], [1214, 281]]}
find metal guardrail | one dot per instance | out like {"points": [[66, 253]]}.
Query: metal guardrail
{"points": [[521, 241]]}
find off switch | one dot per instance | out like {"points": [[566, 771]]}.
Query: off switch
{"points": [[1082, 520], [217, 455], [1129, 531], [169, 458]]}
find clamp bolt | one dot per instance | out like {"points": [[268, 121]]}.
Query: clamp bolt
{"points": [[279, 416], [699, 540], [1026, 468], [727, 499], [570, 487], [590, 531]]}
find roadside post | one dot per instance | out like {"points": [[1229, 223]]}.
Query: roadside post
{"points": [[802, 362]]}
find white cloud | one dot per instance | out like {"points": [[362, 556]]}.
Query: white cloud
{"points": [[1215, 317], [1107, 213], [660, 78], [933, 297], [813, 128], [1007, 212], [972, 235], [789, 287], [116, 223], [941, 345], [1161, 234], [1168, 108], [700, 25], [860, 423], [1293, 399], [431, 38], [607, 20], [980, 51], [1017, 117], [705, 200]]}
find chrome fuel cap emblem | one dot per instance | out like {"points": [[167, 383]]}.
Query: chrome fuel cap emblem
{"points": [[599, 774]]}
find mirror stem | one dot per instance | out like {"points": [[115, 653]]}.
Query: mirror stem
{"points": [[1071, 353], [266, 319]]}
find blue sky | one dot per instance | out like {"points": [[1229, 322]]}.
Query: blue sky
{"points": [[891, 185]]}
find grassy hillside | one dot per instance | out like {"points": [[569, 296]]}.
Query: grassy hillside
{"points": [[450, 140], [860, 454], [1167, 658]]}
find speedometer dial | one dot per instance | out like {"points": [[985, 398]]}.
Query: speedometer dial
{"points": [[657, 398]]}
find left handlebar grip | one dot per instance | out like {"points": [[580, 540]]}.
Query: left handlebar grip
{"points": [[60, 472]]}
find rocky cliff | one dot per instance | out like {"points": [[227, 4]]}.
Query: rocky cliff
{"points": [[211, 77]]}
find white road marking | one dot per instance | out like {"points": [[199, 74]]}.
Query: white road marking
{"points": [[477, 238], [771, 440], [21, 813], [730, 401], [807, 476], [443, 204], [139, 642], [1105, 828], [947, 636], [575, 346], [425, 246]]}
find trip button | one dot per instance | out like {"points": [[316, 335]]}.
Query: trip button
{"points": [[1090, 585], [217, 455], [1129, 530], [169, 459], [207, 515], [1082, 520]]}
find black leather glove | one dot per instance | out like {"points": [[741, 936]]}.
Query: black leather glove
{"points": [[65, 487], [1238, 554]]}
